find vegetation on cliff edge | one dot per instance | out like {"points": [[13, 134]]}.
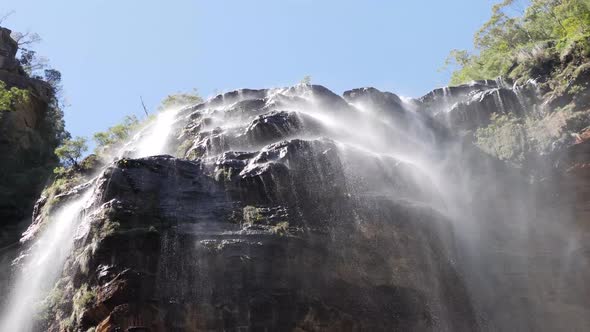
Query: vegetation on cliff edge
{"points": [[515, 40], [10, 97]]}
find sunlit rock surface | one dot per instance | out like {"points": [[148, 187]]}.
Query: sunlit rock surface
{"points": [[27, 144]]}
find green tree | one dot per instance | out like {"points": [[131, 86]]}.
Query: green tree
{"points": [[36, 66], [181, 99], [505, 38], [117, 133], [71, 150], [306, 80], [9, 98]]}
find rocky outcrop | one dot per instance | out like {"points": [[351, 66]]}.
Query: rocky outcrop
{"points": [[297, 209], [267, 224], [185, 255], [26, 140], [27, 149], [8, 49], [27, 144], [477, 111]]}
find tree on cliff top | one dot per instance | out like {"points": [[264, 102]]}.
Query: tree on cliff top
{"points": [[120, 132], [37, 67], [116, 133], [180, 99], [512, 34]]}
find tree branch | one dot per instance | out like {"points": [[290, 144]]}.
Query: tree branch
{"points": [[143, 105], [7, 15]]}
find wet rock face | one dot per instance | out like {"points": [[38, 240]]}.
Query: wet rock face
{"points": [[451, 94], [264, 221], [298, 209], [189, 257], [277, 125], [478, 109], [27, 150], [375, 99], [470, 106], [26, 144]]}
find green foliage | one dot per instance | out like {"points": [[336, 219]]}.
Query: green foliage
{"points": [[10, 98], [504, 137], [513, 139], [71, 150], [507, 40], [224, 174], [109, 227], [183, 148], [306, 80], [55, 299], [181, 99], [35, 66], [121, 132], [281, 228], [60, 171], [58, 186], [83, 299], [53, 77], [30, 62], [53, 124], [251, 215], [116, 134]]}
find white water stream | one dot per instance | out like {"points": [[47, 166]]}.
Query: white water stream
{"points": [[43, 262]]}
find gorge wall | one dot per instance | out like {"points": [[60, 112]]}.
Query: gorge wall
{"points": [[26, 141], [299, 209], [27, 144]]}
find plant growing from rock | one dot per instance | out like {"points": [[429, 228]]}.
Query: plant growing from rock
{"points": [[10, 98], [117, 133], [71, 150]]}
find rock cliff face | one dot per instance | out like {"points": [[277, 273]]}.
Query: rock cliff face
{"points": [[27, 144], [297, 209], [264, 221], [26, 141], [8, 49]]}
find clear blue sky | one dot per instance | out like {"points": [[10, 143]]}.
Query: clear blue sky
{"points": [[111, 52]]}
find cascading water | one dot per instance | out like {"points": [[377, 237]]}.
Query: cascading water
{"points": [[155, 141], [296, 207], [491, 210], [42, 263]]}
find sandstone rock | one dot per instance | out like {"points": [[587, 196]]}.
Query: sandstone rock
{"points": [[261, 223], [8, 48], [478, 109]]}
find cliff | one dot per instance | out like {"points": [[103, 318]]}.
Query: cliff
{"points": [[27, 142], [298, 209]]}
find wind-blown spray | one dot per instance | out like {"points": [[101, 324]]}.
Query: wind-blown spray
{"points": [[43, 262]]}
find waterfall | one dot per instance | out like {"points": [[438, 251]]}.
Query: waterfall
{"points": [[154, 142], [42, 263], [364, 164], [492, 214]]}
